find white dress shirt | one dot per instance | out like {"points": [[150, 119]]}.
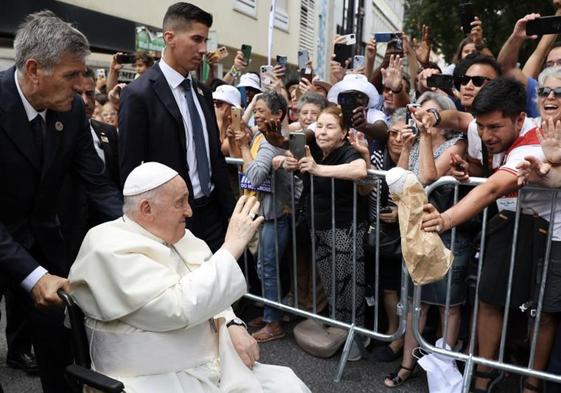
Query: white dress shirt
{"points": [[174, 80], [97, 144], [29, 282]]}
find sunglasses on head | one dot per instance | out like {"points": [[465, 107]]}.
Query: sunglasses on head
{"points": [[477, 81], [545, 91]]}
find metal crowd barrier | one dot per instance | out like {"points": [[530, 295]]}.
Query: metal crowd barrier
{"points": [[374, 178], [470, 359]]}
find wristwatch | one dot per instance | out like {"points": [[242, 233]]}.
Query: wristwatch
{"points": [[237, 322], [437, 117]]}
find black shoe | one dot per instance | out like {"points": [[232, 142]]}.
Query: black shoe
{"points": [[23, 361]]}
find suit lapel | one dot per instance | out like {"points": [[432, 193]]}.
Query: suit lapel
{"points": [[163, 91], [13, 119]]}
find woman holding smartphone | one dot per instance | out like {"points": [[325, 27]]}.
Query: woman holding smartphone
{"points": [[258, 176], [337, 158]]}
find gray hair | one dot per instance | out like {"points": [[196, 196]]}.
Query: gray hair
{"points": [[275, 102], [549, 72], [444, 103], [312, 98], [45, 37], [131, 203], [398, 115]]}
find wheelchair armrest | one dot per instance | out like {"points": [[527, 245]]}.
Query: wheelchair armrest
{"points": [[95, 379]]}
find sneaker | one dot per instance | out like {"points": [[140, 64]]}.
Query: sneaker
{"points": [[355, 353]]}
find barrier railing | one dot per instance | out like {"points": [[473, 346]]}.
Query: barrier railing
{"points": [[374, 179], [470, 359]]}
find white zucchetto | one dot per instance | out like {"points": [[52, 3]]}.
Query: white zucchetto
{"points": [[146, 177]]}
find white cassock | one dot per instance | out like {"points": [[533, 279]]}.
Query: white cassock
{"points": [[156, 315]]}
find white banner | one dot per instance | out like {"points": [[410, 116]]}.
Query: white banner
{"points": [[271, 27]]}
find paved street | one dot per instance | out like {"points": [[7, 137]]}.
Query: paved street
{"points": [[362, 376]]}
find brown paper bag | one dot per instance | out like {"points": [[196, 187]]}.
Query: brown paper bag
{"points": [[426, 257]]}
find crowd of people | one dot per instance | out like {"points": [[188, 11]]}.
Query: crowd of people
{"points": [[143, 165]]}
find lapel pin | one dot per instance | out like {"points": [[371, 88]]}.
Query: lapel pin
{"points": [[104, 139], [199, 91], [59, 126]]}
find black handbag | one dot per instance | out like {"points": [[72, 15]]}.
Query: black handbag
{"points": [[389, 240]]}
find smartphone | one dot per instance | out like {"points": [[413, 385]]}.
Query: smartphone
{"points": [[409, 119], [296, 144], [307, 73], [440, 81], [236, 118], [282, 60], [466, 16], [246, 50], [125, 58], [384, 37], [100, 73], [395, 43], [544, 25], [303, 59], [266, 74], [358, 61], [348, 100], [222, 53], [350, 39], [343, 52], [212, 41]]}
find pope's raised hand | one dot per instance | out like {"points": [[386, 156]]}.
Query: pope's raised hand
{"points": [[243, 225]]}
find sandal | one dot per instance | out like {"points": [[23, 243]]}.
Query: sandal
{"points": [[397, 380], [269, 332], [524, 384], [493, 376]]}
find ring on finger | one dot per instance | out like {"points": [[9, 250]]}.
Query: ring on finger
{"points": [[252, 216]]}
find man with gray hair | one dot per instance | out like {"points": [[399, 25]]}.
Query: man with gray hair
{"points": [[44, 135]]}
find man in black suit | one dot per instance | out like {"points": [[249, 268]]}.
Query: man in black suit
{"points": [[76, 216], [168, 117], [44, 135]]}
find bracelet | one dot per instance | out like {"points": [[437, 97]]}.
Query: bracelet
{"points": [[436, 115], [234, 71], [447, 221]]}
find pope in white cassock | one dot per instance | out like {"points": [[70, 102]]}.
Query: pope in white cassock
{"points": [[157, 301]]}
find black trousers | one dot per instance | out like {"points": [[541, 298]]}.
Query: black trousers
{"points": [[51, 341], [18, 330], [207, 222]]}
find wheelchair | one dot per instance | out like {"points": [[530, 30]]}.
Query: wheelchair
{"points": [[80, 374]]}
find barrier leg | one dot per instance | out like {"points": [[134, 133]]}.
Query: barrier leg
{"points": [[345, 354]]}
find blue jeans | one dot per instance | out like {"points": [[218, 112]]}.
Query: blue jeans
{"points": [[267, 262]]}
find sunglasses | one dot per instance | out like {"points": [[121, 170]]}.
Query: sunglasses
{"points": [[545, 91], [477, 81]]}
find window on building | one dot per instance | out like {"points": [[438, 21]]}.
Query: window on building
{"points": [[308, 26], [281, 15], [247, 7]]}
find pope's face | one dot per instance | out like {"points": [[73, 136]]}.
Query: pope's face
{"points": [[170, 210]]}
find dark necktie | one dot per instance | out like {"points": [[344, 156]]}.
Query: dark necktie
{"points": [[198, 139], [38, 128]]}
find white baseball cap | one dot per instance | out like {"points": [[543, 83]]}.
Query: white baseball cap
{"points": [[146, 177], [250, 80], [356, 82], [228, 94]]}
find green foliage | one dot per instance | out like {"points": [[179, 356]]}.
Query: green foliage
{"points": [[498, 17]]}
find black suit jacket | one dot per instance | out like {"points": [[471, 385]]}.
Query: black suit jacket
{"points": [[151, 129], [109, 140], [29, 226]]}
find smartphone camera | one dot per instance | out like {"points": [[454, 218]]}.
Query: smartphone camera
{"points": [[410, 121]]}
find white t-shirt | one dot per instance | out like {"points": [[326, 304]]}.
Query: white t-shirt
{"points": [[533, 202]]}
